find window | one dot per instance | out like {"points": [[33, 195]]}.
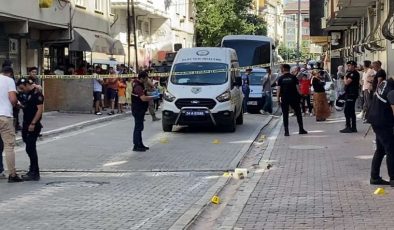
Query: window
{"points": [[99, 5], [80, 2], [305, 31]]}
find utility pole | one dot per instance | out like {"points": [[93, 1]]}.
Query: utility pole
{"points": [[135, 35], [128, 34], [299, 32]]}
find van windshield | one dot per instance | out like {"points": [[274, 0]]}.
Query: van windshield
{"points": [[206, 73], [256, 78]]}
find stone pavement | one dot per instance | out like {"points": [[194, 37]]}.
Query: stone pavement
{"points": [[71, 201], [318, 181], [57, 122]]}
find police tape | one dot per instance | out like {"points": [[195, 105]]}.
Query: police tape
{"points": [[151, 74]]}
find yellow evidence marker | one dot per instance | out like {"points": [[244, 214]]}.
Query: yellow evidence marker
{"points": [[215, 200], [164, 140], [216, 141], [379, 191]]}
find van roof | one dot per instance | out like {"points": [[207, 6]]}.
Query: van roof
{"points": [[248, 37], [205, 54]]}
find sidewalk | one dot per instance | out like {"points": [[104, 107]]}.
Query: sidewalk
{"points": [[56, 122], [318, 181]]}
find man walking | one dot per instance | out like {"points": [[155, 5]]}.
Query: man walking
{"points": [[8, 99], [381, 118], [32, 113], [246, 89], [352, 85], [140, 103], [288, 95]]}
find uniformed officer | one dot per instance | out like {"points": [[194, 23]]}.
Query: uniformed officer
{"points": [[139, 106], [32, 114], [381, 118], [288, 95], [352, 85]]}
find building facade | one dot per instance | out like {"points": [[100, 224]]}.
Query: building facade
{"points": [[58, 34], [161, 27], [272, 12], [358, 30], [291, 26]]}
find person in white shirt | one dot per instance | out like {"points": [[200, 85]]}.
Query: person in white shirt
{"points": [[367, 80], [97, 90], [8, 100]]}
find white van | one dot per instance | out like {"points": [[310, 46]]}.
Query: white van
{"points": [[202, 89]]}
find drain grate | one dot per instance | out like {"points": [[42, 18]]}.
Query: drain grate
{"points": [[78, 184]]}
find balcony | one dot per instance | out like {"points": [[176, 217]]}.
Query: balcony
{"points": [[150, 8], [348, 13]]}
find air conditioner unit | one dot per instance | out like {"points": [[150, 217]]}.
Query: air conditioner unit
{"points": [[323, 22]]}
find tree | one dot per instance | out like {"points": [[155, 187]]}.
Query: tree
{"points": [[218, 18]]}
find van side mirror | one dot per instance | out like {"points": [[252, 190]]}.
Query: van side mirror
{"points": [[238, 81]]}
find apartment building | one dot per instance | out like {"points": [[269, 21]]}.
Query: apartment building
{"points": [[161, 27], [46, 34], [272, 12], [357, 30], [291, 26], [49, 34]]}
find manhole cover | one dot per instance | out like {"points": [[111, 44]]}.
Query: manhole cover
{"points": [[306, 147], [80, 184]]}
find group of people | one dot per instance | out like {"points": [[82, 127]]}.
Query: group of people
{"points": [[118, 92], [378, 105], [377, 97], [25, 94]]}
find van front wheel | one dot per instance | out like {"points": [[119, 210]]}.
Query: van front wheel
{"points": [[166, 127], [231, 127], [240, 118]]}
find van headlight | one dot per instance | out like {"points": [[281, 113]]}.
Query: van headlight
{"points": [[169, 97], [226, 96]]}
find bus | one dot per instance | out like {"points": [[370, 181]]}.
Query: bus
{"points": [[251, 49]]}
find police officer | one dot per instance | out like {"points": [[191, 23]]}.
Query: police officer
{"points": [[288, 95], [139, 106], [352, 85], [381, 118], [32, 114]]}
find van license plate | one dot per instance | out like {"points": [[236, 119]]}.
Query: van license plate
{"points": [[194, 113], [252, 102]]}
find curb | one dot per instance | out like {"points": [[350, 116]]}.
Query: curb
{"points": [[187, 219], [77, 126]]}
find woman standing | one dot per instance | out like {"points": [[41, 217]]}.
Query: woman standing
{"points": [[320, 104]]}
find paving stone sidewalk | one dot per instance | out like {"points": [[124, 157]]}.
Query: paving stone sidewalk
{"points": [[57, 122], [319, 181]]}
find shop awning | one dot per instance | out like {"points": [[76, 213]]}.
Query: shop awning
{"points": [[117, 48], [86, 40]]}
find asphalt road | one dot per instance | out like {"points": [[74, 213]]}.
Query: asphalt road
{"points": [[92, 180]]}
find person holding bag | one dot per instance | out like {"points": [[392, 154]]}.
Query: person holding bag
{"points": [[320, 104]]}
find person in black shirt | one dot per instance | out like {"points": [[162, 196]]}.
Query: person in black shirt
{"points": [[139, 106], [381, 118], [32, 113], [379, 76], [288, 95], [352, 85]]}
